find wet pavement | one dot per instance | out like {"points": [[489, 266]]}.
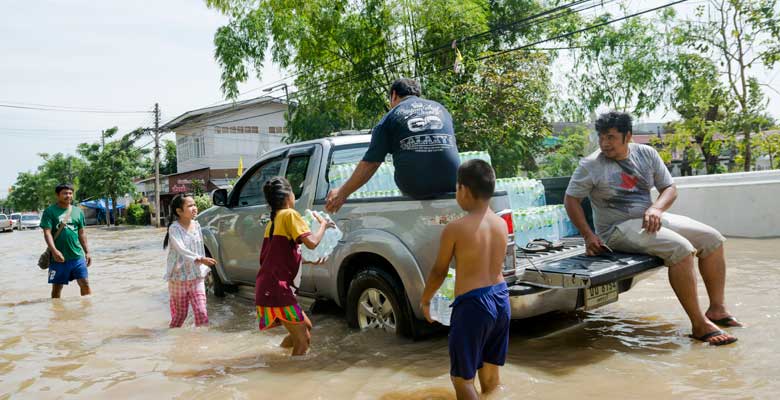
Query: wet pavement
{"points": [[116, 344]]}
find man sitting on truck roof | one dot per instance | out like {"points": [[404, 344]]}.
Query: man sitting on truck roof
{"points": [[618, 178], [420, 136]]}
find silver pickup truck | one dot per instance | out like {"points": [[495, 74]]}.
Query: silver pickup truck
{"points": [[378, 270]]}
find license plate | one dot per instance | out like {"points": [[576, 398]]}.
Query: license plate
{"points": [[598, 296]]}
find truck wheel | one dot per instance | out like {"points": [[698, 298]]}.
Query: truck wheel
{"points": [[374, 301], [213, 284]]}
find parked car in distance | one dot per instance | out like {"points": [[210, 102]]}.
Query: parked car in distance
{"points": [[30, 221], [16, 220], [6, 224]]}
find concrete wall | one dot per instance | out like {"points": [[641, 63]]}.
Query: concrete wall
{"points": [[743, 204]]}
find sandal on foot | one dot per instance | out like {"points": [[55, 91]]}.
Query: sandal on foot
{"points": [[727, 322], [707, 336]]}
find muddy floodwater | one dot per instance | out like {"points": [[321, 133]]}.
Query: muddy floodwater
{"points": [[115, 344]]}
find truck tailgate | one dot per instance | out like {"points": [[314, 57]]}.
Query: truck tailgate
{"points": [[570, 268]]}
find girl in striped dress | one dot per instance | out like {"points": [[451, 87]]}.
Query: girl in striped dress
{"points": [[280, 259]]}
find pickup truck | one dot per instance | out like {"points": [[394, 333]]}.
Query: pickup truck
{"points": [[377, 272]]}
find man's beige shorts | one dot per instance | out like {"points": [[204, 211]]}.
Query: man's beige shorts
{"points": [[679, 236]]}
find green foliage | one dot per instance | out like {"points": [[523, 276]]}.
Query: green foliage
{"points": [[34, 191], [203, 202], [564, 158], [112, 168], [198, 187], [739, 35], [502, 112], [621, 66], [138, 214]]}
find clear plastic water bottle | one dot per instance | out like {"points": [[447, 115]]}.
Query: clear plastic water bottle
{"points": [[441, 301]]}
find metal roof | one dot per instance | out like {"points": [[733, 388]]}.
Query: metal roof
{"points": [[203, 113]]}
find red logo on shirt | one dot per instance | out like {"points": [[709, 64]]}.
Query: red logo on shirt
{"points": [[629, 181]]}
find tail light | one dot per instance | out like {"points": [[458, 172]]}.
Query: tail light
{"points": [[506, 215]]}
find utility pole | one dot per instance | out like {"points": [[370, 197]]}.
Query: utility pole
{"points": [[102, 149], [157, 210]]}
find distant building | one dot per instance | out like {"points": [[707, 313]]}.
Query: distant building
{"points": [[210, 142]]}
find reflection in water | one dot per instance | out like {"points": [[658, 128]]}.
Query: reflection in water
{"points": [[116, 344]]}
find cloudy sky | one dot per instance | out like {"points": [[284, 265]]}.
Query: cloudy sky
{"points": [[117, 56], [109, 55]]}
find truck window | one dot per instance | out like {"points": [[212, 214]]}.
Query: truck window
{"points": [[251, 193], [296, 173]]}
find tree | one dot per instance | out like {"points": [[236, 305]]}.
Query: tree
{"points": [[739, 34], [563, 159], [623, 67], [168, 166], [30, 192], [703, 104], [111, 168], [503, 112]]}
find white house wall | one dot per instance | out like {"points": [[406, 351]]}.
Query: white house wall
{"points": [[223, 150]]}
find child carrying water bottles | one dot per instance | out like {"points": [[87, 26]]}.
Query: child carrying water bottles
{"points": [[280, 259], [187, 263]]}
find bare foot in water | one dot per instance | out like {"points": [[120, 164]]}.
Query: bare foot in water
{"points": [[287, 342]]}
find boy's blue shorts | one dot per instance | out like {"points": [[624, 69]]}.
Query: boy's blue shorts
{"points": [[479, 330], [62, 273]]}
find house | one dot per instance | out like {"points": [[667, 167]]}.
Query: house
{"points": [[217, 137], [210, 142]]}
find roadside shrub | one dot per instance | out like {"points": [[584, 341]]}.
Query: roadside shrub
{"points": [[138, 214], [203, 202]]}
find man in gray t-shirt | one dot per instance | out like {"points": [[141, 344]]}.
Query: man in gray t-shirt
{"points": [[618, 179]]}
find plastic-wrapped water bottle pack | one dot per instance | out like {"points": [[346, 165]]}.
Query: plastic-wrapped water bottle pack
{"points": [[523, 192], [329, 241], [545, 222]]}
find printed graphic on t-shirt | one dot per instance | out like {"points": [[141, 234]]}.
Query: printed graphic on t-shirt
{"points": [[428, 143], [70, 225]]}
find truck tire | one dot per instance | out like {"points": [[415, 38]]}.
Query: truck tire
{"points": [[375, 300], [214, 284]]}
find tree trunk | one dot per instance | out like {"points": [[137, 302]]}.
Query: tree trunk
{"points": [[748, 150]]}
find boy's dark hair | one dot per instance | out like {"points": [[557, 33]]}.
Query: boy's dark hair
{"points": [[614, 119], [405, 87], [479, 177], [176, 203], [276, 191], [63, 186]]}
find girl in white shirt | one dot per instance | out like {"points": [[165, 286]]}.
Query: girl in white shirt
{"points": [[187, 263]]}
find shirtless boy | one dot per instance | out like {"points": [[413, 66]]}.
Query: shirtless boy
{"points": [[479, 326]]}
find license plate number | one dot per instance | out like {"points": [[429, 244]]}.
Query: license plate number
{"points": [[598, 296]]}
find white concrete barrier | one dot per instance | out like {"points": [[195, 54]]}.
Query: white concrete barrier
{"points": [[743, 204]]}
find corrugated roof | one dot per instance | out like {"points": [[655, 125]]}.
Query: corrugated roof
{"points": [[203, 113]]}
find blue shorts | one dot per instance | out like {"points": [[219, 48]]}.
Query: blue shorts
{"points": [[479, 330], [62, 273]]}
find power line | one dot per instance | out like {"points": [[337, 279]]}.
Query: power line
{"points": [[72, 110]]}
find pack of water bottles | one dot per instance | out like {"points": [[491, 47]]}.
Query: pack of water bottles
{"points": [[329, 241], [523, 192], [441, 301], [382, 184], [471, 155], [546, 222]]}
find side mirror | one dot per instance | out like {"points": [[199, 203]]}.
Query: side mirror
{"points": [[220, 197]]}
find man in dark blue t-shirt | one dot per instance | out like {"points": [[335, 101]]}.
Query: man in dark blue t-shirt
{"points": [[419, 135]]}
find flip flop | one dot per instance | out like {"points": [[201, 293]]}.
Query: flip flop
{"points": [[538, 245], [705, 337], [727, 322]]}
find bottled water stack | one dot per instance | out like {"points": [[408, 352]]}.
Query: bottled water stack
{"points": [[329, 241], [545, 222], [441, 301]]}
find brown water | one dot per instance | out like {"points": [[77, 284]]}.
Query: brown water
{"points": [[116, 344]]}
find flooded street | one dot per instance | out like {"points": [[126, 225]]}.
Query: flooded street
{"points": [[116, 344]]}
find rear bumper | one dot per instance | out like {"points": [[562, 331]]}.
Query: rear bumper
{"points": [[529, 301]]}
